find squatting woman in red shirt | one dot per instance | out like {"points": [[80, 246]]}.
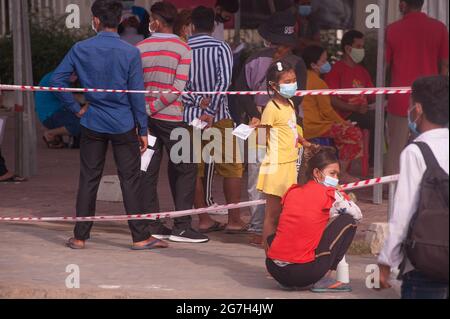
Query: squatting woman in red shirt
{"points": [[316, 228]]}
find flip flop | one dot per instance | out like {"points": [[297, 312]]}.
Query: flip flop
{"points": [[74, 246], [13, 180], [329, 285], [151, 245], [214, 228], [243, 230], [54, 145]]}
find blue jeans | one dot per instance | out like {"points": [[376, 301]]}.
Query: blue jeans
{"points": [[417, 286]]}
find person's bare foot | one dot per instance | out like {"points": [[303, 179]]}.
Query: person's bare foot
{"points": [[49, 137], [11, 178], [6, 177], [76, 244], [240, 226]]}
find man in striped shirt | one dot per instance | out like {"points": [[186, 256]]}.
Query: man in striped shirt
{"points": [[211, 71], [166, 61]]}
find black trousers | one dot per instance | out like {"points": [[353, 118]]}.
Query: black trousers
{"points": [[93, 148], [335, 242], [182, 176], [3, 169], [366, 122]]}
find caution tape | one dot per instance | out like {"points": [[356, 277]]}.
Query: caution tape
{"points": [[189, 212], [355, 91], [371, 182]]}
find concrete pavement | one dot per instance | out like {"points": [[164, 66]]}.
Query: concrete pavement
{"points": [[33, 258], [33, 263]]}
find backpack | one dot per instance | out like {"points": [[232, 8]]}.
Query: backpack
{"points": [[427, 243]]}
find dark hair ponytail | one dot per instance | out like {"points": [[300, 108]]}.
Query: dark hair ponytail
{"points": [[326, 156], [312, 54]]}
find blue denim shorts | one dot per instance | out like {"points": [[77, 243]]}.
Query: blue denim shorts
{"points": [[64, 118]]}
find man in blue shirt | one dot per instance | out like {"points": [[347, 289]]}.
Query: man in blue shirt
{"points": [[105, 61]]}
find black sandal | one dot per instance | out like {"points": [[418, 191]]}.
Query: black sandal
{"points": [[216, 227]]}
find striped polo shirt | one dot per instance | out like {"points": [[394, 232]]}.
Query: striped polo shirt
{"points": [[166, 61], [211, 71]]}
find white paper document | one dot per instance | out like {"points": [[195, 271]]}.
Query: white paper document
{"points": [[243, 131], [148, 155], [198, 124], [146, 159], [151, 141]]}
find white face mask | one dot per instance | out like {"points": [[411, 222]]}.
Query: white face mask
{"points": [[358, 55], [150, 28], [329, 181], [93, 27]]}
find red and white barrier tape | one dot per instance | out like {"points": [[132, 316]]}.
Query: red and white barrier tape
{"points": [[371, 182], [190, 212], [135, 217], [361, 91]]}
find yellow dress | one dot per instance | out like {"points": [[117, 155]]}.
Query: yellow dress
{"points": [[279, 169]]}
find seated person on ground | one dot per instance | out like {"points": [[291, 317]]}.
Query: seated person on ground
{"points": [[350, 73], [322, 121], [315, 230], [54, 117]]}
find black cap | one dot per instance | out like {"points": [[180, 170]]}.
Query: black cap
{"points": [[279, 29]]}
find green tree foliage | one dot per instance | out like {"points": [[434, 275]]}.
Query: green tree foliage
{"points": [[50, 41]]}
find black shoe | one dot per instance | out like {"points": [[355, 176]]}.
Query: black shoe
{"points": [[188, 236], [162, 233]]}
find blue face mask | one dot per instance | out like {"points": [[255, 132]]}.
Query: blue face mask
{"points": [[412, 124], [305, 11], [330, 181], [326, 68], [288, 90]]}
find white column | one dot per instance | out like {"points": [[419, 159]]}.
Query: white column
{"points": [[379, 118]]}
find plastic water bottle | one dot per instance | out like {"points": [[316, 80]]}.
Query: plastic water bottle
{"points": [[343, 272]]}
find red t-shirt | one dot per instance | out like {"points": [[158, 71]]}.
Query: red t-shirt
{"points": [[343, 76], [306, 213], [415, 46]]}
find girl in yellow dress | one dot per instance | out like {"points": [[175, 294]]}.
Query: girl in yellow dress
{"points": [[279, 168]]}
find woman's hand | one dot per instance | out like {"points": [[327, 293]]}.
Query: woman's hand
{"points": [[385, 274], [255, 122]]}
